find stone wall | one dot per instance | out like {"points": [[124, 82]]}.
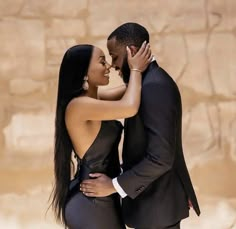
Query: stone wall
{"points": [[194, 40]]}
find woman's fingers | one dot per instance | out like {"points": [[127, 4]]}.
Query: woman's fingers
{"points": [[149, 56], [128, 52], [142, 49], [141, 59], [147, 51]]}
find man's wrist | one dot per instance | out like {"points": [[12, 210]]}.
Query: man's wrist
{"points": [[113, 190], [118, 188]]}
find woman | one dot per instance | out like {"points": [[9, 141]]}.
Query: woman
{"points": [[85, 125]]}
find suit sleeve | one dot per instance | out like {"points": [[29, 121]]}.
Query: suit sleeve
{"points": [[159, 105]]}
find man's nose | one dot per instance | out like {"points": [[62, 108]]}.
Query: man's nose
{"points": [[113, 64], [108, 66]]}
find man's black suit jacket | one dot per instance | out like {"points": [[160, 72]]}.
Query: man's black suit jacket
{"points": [[155, 175]]}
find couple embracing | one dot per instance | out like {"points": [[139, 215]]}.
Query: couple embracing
{"points": [[152, 188]]}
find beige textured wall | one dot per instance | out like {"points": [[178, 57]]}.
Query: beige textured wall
{"points": [[194, 40]]}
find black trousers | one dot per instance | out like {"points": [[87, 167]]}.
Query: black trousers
{"points": [[175, 226]]}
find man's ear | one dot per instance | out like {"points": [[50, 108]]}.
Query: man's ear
{"points": [[133, 49]]}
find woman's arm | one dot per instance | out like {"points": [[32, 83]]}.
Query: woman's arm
{"points": [[115, 93], [86, 108]]}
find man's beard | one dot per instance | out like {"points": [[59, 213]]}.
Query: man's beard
{"points": [[125, 70]]}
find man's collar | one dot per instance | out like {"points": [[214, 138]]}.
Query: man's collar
{"points": [[150, 66]]}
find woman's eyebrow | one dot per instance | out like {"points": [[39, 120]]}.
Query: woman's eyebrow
{"points": [[102, 57]]}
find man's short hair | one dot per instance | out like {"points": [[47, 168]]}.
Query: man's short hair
{"points": [[130, 34]]}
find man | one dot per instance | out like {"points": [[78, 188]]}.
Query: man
{"points": [[155, 186]]}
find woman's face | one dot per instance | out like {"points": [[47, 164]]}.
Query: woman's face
{"points": [[99, 69]]}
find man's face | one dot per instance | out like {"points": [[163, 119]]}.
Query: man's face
{"points": [[118, 54]]}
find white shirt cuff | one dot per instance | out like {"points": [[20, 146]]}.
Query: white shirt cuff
{"points": [[118, 188]]}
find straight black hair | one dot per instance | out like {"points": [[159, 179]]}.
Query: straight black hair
{"points": [[74, 67]]}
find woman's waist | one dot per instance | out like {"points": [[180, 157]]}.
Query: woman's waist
{"points": [[84, 171]]}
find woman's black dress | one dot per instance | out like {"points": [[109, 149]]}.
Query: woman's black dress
{"points": [[83, 212]]}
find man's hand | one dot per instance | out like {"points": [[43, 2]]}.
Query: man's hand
{"points": [[100, 186]]}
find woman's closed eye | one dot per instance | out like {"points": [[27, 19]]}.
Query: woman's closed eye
{"points": [[103, 62]]}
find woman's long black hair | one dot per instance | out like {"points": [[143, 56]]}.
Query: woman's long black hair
{"points": [[74, 67]]}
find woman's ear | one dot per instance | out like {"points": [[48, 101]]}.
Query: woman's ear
{"points": [[133, 49]]}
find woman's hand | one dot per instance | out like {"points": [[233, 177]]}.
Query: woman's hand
{"points": [[141, 59]]}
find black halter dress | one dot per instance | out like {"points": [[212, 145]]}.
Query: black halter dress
{"points": [[82, 212]]}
